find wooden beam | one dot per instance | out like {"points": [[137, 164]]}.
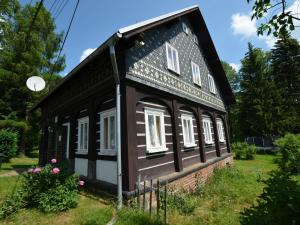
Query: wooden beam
{"points": [[226, 128], [217, 142], [176, 137], [92, 153], [128, 137], [200, 135]]}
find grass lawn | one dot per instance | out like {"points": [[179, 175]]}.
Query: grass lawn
{"points": [[223, 198], [90, 211], [17, 164]]}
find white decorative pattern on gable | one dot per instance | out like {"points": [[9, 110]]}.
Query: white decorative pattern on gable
{"points": [[159, 77]]}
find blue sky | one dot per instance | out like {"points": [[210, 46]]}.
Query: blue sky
{"points": [[228, 22]]}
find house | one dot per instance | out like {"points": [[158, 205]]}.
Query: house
{"points": [[172, 119]]}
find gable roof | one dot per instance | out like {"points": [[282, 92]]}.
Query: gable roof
{"points": [[126, 32]]}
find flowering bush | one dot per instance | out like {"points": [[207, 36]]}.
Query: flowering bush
{"points": [[49, 189]]}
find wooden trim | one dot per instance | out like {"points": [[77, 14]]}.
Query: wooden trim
{"points": [[128, 137], [226, 128], [73, 131], [176, 137], [200, 135], [216, 134]]}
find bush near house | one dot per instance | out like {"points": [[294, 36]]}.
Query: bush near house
{"points": [[289, 149], [8, 144], [49, 189], [243, 150]]}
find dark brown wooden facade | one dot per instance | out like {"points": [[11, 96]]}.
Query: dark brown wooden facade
{"points": [[145, 83]]}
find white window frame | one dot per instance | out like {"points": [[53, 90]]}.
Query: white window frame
{"points": [[220, 128], [189, 119], [211, 84], [196, 73], [83, 120], [185, 28], [206, 123], [160, 113], [103, 115], [171, 64]]}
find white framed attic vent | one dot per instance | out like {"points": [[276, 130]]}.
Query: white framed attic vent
{"points": [[185, 28]]}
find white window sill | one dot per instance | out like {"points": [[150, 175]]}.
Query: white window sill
{"points": [[156, 150], [108, 152], [82, 152], [209, 143], [190, 145], [222, 141], [173, 71]]}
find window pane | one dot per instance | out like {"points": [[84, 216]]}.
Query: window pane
{"points": [[184, 130], [85, 136], [81, 136], [112, 132], [105, 134], [169, 57], [158, 131], [151, 130], [189, 131], [175, 60]]}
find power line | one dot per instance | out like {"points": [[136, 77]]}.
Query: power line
{"points": [[61, 9], [53, 6], [64, 41]]}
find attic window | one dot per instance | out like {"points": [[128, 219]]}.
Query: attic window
{"points": [[211, 84], [185, 28], [195, 39], [172, 58], [196, 73]]}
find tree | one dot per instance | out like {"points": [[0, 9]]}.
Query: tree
{"points": [[261, 107], [26, 51], [278, 16], [285, 71]]}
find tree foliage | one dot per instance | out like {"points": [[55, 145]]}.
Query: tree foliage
{"points": [[279, 19], [26, 51]]}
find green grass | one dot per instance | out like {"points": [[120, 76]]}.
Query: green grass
{"points": [[18, 163], [223, 197], [90, 210]]}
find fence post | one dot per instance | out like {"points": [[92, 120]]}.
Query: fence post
{"points": [[158, 203], [139, 192], [144, 196], [150, 204], [165, 209]]}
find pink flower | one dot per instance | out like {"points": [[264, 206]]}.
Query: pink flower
{"points": [[53, 161], [81, 183], [30, 170], [37, 170], [55, 170]]}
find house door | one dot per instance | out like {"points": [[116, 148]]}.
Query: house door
{"points": [[65, 139]]}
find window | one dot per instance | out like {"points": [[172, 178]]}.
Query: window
{"points": [[207, 131], [188, 130], [172, 58], [195, 39], [185, 28], [196, 73], [211, 84], [155, 130], [108, 132], [220, 130], [83, 134]]}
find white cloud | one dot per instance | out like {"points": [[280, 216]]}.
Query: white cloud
{"points": [[86, 53], [242, 24], [235, 66]]}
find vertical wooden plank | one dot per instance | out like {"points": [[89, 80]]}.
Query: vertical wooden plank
{"points": [[128, 137], [139, 191], [92, 153], [72, 143], [144, 196], [150, 201], [226, 128], [165, 209], [176, 137], [200, 135], [217, 142], [158, 198]]}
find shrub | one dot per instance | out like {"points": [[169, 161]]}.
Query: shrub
{"points": [[289, 148], [49, 189], [242, 150], [279, 204], [8, 144]]}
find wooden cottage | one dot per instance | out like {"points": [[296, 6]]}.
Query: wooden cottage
{"points": [[173, 98]]}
